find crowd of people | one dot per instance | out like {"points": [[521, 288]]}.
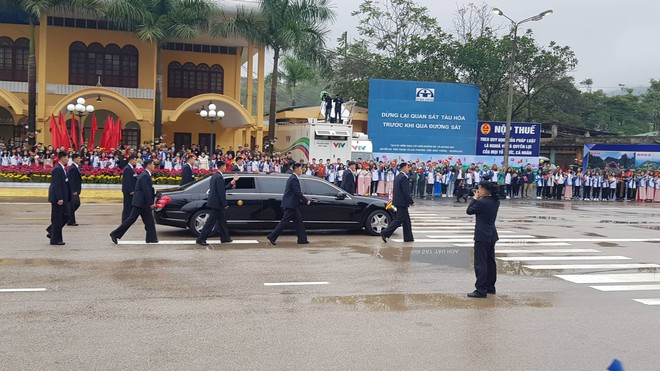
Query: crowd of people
{"points": [[427, 179]]}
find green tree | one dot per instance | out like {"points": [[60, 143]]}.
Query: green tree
{"points": [[297, 27], [35, 9], [293, 72], [156, 22]]}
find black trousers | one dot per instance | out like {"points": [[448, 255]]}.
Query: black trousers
{"points": [[216, 221], [147, 217], [59, 216], [559, 191], [128, 205], [290, 215], [485, 268], [73, 206], [401, 218], [587, 192]]}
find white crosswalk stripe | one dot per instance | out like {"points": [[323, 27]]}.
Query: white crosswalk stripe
{"points": [[611, 278], [543, 251], [654, 301], [627, 288], [560, 258], [187, 242], [590, 266]]}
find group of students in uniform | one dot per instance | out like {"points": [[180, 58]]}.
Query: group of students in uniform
{"points": [[598, 185]]}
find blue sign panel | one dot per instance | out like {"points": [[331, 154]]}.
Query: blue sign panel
{"points": [[410, 119], [524, 141]]}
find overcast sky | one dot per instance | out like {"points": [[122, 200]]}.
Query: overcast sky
{"points": [[616, 42]]}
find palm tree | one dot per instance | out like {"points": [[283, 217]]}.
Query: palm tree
{"points": [[294, 26], [293, 72], [156, 22], [35, 9]]}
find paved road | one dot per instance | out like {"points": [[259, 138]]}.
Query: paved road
{"points": [[372, 305]]}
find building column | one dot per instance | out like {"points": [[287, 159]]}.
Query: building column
{"points": [[250, 70], [237, 89], [261, 91], [41, 54]]}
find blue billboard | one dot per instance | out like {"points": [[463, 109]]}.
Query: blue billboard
{"points": [[423, 120]]}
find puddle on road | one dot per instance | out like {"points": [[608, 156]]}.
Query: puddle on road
{"points": [[520, 221], [545, 217], [607, 244], [458, 257], [651, 227], [591, 234], [406, 302]]}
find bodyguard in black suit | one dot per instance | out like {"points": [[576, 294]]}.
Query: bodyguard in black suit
{"points": [[75, 184], [291, 201], [59, 196], [187, 175], [402, 200], [348, 181], [128, 181], [217, 203], [143, 203], [485, 206]]}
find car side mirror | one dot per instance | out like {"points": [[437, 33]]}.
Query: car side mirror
{"points": [[340, 196]]}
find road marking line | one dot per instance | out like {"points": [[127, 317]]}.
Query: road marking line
{"points": [[627, 287], [559, 258], [602, 239], [422, 214], [611, 278], [452, 229], [542, 251], [518, 244], [31, 218], [655, 301], [590, 266], [295, 283], [469, 235], [188, 242], [23, 290]]}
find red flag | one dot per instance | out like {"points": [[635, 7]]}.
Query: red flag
{"points": [[95, 128], [64, 132], [111, 133], [74, 132], [54, 132], [104, 136], [118, 131]]}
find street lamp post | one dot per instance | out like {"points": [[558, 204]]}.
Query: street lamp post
{"points": [[512, 67], [212, 115], [81, 110]]}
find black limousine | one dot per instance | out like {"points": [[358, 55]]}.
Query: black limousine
{"points": [[255, 205]]}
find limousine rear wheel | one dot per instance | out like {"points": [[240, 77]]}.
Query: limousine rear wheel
{"points": [[376, 222], [197, 222]]}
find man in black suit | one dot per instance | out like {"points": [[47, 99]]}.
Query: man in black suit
{"points": [[402, 200], [239, 166], [485, 206], [187, 175], [59, 196], [128, 181], [143, 203], [287, 163], [75, 184], [348, 181], [217, 203], [291, 201]]}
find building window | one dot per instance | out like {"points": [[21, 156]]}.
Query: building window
{"points": [[130, 135], [189, 80], [14, 59], [116, 66]]}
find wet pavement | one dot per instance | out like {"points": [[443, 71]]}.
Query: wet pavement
{"points": [[569, 294]]}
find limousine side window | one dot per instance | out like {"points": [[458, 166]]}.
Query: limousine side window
{"points": [[243, 183], [272, 185], [318, 188]]}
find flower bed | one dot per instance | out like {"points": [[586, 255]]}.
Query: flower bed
{"points": [[40, 174]]}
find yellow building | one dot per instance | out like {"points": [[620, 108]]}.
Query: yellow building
{"points": [[116, 73]]}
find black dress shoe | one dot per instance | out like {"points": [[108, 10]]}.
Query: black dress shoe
{"points": [[303, 243], [383, 237], [113, 238], [202, 243], [152, 241], [492, 292], [476, 294], [408, 240], [73, 224], [227, 241], [48, 236], [272, 242], [58, 243]]}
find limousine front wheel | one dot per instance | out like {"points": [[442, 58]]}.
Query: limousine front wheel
{"points": [[376, 222]]}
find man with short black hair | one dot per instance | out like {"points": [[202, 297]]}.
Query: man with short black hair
{"points": [[187, 175], [402, 200], [59, 196], [128, 181], [75, 185], [217, 203], [348, 181], [291, 201], [143, 204], [485, 206]]}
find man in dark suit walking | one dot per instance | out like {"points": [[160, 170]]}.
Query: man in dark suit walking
{"points": [[75, 184], [348, 182], [59, 196], [291, 201], [217, 203], [485, 206], [128, 181], [187, 175], [402, 200], [143, 203]]}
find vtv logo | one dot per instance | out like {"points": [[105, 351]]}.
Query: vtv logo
{"points": [[339, 145], [424, 95], [359, 148]]}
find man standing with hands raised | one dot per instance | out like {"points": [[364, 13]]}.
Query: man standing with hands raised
{"points": [[485, 206], [291, 201], [217, 203]]}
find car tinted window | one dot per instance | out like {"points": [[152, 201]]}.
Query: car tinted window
{"points": [[200, 186], [272, 185], [243, 183], [319, 188]]}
